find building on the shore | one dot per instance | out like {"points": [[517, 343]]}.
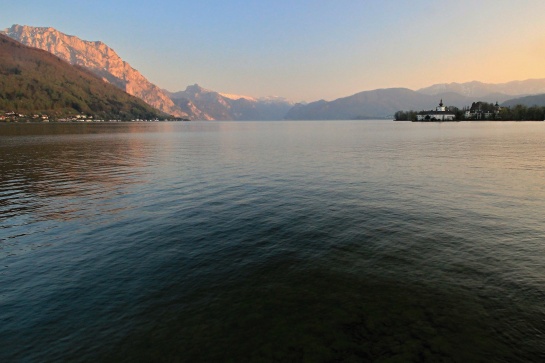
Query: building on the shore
{"points": [[482, 111], [441, 113]]}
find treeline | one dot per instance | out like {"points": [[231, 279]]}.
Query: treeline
{"points": [[486, 111], [522, 113], [405, 115]]}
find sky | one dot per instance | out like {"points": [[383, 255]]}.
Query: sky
{"points": [[306, 50]]}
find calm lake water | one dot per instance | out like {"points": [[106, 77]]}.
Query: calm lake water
{"points": [[272, 241]]}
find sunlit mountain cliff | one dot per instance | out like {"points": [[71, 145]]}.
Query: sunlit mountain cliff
{"points": [[35, 81], [98, 58]]}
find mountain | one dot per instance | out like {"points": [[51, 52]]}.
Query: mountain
{"points": [[195, 102], [33, 80], [478, 89], [381, 103], [212, 105], [529, 101], [220, 106], [202, 104], [99, 59]]}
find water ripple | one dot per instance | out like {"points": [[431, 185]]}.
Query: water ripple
{"points": [[272, 241]]}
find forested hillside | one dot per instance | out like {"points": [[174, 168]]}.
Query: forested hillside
{"points": [[35, 81]]}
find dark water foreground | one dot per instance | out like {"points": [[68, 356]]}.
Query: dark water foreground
{"points": [[275, 241], [328, 317]]}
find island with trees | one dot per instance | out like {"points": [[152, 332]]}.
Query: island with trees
{"points": [[478, 111]]}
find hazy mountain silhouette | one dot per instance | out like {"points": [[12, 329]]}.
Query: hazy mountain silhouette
{"points": [[383, 103], [477, 89], [535, 100]]}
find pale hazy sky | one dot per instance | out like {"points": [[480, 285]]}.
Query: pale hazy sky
{"points": [[302, 49]]}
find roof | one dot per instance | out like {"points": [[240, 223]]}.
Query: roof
{"points": [[436, 113]]}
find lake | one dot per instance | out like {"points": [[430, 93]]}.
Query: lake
{"points": [[316, 241]]}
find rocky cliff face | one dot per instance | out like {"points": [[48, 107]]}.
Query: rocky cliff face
{"points": [[209, 105], [98, 58], [34, 81]]}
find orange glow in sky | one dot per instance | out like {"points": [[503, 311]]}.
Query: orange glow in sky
{"points": [[303, 49]]}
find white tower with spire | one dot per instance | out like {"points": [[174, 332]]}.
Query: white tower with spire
{"points": [[441, 107]]}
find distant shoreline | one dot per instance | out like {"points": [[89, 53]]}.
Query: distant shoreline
{"points": [[87, 122], [453, 121]]}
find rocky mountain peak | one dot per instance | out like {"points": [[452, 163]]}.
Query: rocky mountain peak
{"points": [[224, 106], [99, 59], [196, 90]]}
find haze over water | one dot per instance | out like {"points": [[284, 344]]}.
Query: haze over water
{"points": [[272, 241]]}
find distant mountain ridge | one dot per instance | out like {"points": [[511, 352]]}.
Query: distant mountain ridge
{"points": [[480, 89], [383, 103], [218, 106], [35, 81], [99, 59], [529, 101]]}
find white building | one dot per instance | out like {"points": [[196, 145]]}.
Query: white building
{"points": [[440, 114]]}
